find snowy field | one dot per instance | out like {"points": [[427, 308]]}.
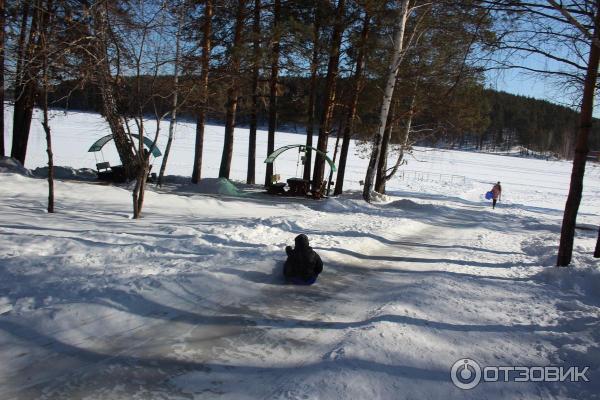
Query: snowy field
{"points": [[188, 303]]}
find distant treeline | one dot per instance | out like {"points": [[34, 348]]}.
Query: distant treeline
{"points": [[534, 124], [508, 120]]}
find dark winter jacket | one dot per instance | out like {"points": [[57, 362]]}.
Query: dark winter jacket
{"points": [[302, 262]]}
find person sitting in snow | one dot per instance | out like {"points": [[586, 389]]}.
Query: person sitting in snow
{"points": [[496, 194], [303, 264]]}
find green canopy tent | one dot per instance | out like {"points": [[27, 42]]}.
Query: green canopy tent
{"points": [[99, 144], [302, 148]]}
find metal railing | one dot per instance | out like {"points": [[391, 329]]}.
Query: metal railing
{"points": [[430, 177]]}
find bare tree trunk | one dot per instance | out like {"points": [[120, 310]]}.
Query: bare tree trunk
{"points": [[382, 165], [232, 93], [174, 105], [358, 84], [273, 88], [24, 13], [26, 82], [330, 86], [140, 188], [107, 90], [2, 150], [46, 86], [597, 250], [201, 116], [251, 174], [46, 125], [312, 96], [567, 233], [387, 100], [338, 136]]}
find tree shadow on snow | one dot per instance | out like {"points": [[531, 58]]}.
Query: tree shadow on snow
{"points": [[419, 260], [275, 277]]}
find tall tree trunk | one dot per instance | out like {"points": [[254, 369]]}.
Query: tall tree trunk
{"points": [[24, 15], [330, 86], [46, 126], [106, 87], [273, 88], [45, 87], [567, 233], [387, 99], [201, 115], [382, 165], [174, 105], [356, 90], [2, 150], [232, 93], [139, 189], [251, 174], [312, 96], [597, 250], [26, 82]]}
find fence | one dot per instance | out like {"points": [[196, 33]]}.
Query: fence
{"points": [[430, 177]]}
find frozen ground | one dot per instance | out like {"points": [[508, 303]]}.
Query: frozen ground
{"points": [[188, 302]]}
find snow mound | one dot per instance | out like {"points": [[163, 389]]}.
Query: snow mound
{"points": [[213, 186], [409, 205], [582, 279], [377, 197], [341, 205], [85, 174], [11, 165]]}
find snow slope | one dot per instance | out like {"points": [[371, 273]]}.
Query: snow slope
{"points": [[189, 303]]}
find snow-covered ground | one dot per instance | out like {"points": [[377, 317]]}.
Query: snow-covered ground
{"points": [[189, 302]]}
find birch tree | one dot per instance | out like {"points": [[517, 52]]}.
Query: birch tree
{"points": [[387, 98]]}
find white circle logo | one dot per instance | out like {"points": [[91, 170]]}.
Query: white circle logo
{"points": [[465, 373]]}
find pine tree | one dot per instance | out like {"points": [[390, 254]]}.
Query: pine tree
{"points": [[358, 82], [256, 32], [329, 95], [204, 74], [275, 54], [233, 92]]}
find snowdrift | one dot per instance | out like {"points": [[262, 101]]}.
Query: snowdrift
{"points": [[11, 165], [220, 186]]}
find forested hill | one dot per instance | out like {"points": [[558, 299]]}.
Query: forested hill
{"points": [[503, 120], [535, 124]]}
